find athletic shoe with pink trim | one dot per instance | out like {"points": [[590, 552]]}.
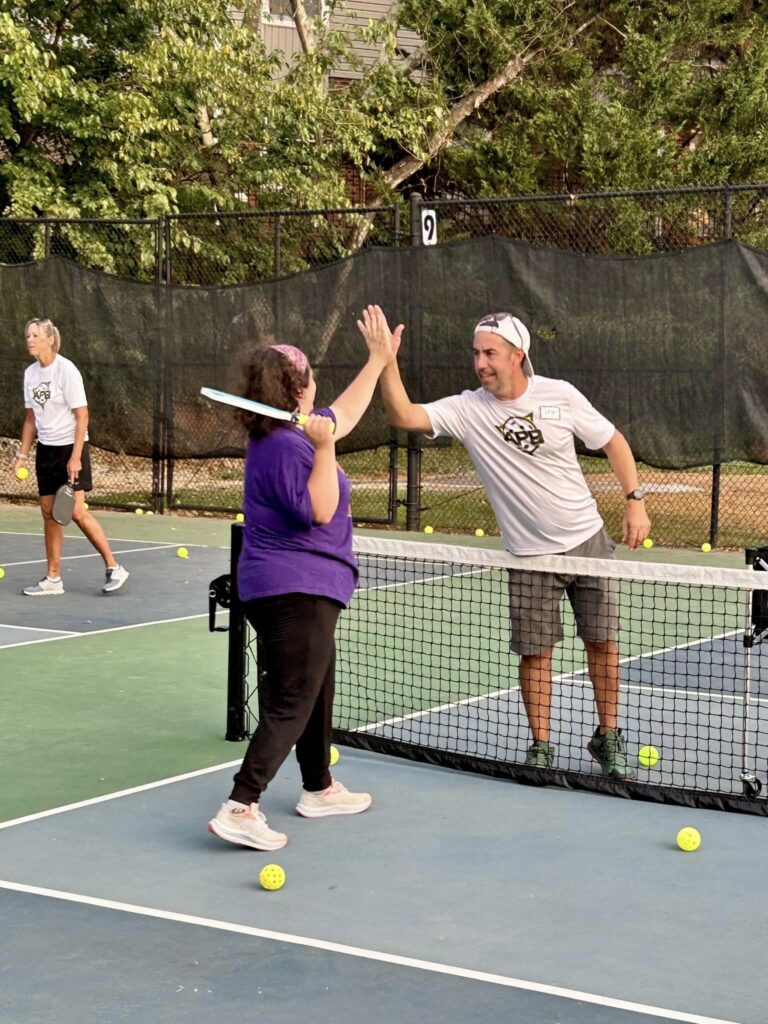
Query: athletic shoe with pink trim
{"points": [[335, 800], [247, 827]]}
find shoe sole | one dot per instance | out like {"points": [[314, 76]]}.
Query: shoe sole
{"points": [[328, 812], [629, 777], [45, 593], [238, 839], [107, 589]]}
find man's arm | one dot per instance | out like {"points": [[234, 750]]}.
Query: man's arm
{"points": [[636, 525], [400, 410]]}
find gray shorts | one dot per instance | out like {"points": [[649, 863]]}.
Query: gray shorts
{"points": [[534, 602]]}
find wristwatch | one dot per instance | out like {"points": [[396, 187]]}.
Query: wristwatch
{"points": [[637, 495]]}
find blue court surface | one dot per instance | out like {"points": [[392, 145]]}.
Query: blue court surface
{"points": [[454, 898], [162, 587]]}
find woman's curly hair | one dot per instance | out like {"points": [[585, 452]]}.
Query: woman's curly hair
{"points": [[271, 378]]}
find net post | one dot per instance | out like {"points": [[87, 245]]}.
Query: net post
{"points": [[236, 730]]}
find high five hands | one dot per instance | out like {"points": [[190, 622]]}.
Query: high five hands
{"points": [[382, 343]]}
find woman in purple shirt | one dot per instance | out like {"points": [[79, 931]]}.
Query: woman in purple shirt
{"points": [[296, 572]]}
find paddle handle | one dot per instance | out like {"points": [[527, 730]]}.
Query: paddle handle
{"points": [[301, 418]]}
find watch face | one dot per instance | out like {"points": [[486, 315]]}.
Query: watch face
{"points": [[637, 494]]}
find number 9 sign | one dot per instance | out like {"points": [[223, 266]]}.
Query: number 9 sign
{"points": [[428, 227]]}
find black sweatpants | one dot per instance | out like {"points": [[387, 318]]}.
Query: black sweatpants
{"points": [[298, 655]]}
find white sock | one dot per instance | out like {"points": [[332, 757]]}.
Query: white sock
{"points": [[54, 579], [235, 805]]}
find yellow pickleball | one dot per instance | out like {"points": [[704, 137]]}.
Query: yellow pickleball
{"points": [[334, 755], [22, 473], [429, 529], [149, 512], [706, 548], [2, 573], [139, 511], [86, 506], [240, 518], [479, 532], [182, 553], [647, 756], [647, 543], [688, 839], [271, 877]]}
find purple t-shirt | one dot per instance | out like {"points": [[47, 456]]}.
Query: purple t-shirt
{"points": [[284, 552]]}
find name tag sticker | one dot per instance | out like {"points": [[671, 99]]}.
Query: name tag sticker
{"points": [[549, 412]]}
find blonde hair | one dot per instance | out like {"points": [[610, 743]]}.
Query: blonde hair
{"points": [[49, 329]]}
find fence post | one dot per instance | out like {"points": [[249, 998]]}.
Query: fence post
{"points": [[158, 465], [413, 486], [278, 246], [415, 205], [714, 508], [413, 463], [47, 238], [167, 388]]}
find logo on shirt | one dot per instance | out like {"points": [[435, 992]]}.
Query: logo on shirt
{"points": [[522, 432], [42, 393]]}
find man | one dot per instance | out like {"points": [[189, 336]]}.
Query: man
{"points": [[519, 430]]}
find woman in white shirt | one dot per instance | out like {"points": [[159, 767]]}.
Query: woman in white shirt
{"points": [[57, 414]]}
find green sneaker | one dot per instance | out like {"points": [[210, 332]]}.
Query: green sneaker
{"points": [[540, 755], [611, 751]]}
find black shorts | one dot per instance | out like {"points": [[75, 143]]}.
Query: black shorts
{"points": [[51, 468]]}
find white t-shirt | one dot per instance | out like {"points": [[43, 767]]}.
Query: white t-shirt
{"points": [[525, 455], [53, 392]]}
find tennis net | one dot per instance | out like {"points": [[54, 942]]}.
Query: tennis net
{"points": [[425, 671]]}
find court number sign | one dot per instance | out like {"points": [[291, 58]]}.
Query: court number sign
{"points": [[428, 227]]}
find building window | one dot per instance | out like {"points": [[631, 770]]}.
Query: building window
{"points": [[282, 9]]}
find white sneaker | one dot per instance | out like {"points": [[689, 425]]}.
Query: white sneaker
{"points": [[45, 588], [246, 828], [335, 800], [116, 577]]}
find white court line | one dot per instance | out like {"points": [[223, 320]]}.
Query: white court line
{"points": [[37, 629], [95, 554], [118, 793], [119, 540], [362, 953], [111, 629]]}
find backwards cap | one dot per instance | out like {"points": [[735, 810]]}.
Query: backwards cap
{"points": [[511, 330]]}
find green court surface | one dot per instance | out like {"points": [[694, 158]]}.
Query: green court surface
{"points": [[98, 713]]}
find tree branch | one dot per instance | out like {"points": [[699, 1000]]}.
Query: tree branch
{"points": [[408, 166], [303, 26], [460, 111], [206, 129]]}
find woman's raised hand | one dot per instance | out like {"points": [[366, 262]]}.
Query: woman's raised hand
{"points": [[381, 341]]}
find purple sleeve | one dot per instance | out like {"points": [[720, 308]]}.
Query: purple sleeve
{"points": [[277, 476]]}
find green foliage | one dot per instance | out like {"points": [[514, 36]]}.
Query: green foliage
{"points": [[138, 109]]}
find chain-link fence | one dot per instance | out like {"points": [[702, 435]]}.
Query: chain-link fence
{"points": [[719, 504], [410, 482]]}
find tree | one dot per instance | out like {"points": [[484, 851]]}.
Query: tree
{"points": [[137, 109]]}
